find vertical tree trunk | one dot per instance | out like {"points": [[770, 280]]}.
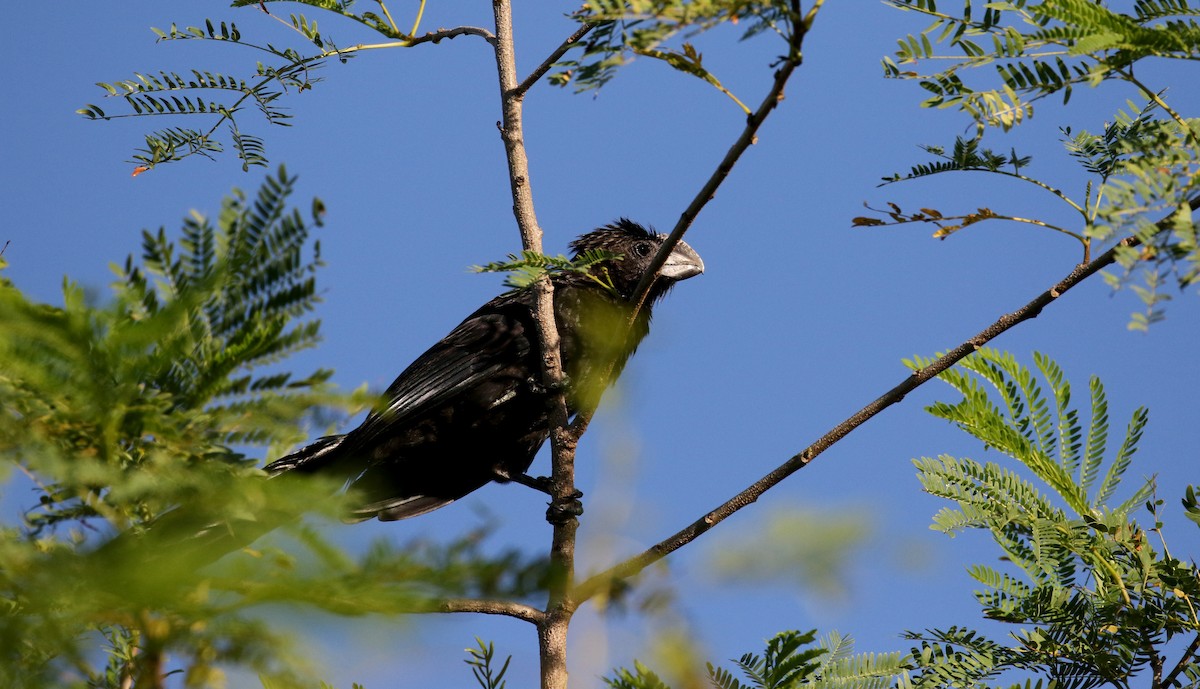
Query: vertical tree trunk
{"points": [[552, 632]]}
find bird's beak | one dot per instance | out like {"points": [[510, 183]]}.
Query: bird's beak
{"points": [[683, 263]]}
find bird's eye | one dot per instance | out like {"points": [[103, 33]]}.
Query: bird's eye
{"points": [[641, 249]]}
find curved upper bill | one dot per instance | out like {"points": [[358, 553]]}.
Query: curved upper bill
{"points": [[683, 263]]}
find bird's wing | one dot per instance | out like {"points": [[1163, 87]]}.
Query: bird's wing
{"points": [[494, 338]]}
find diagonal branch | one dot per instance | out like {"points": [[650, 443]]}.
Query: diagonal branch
{"points": [[552, 58], [632, 566], [747, 138], [1189, 654]]}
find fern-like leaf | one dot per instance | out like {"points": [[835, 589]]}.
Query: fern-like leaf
{"points": [[1133, 435]]}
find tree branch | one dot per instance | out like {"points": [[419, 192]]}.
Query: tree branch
{"points": [[552, 626], [512, 133], [1184, 661], [553, 57], [437, 36], [492, 607], [747, 138], [632, 566]]}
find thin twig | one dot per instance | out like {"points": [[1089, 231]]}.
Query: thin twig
{"points": [[431, 37], [982, 215], [746, 139], [392, 22], [417, 20], [1184, 661], [436, 36], [552, 58], [1127, 74], [600, 582], [492, 607]]}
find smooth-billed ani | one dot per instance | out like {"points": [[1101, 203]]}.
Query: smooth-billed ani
{"points": [[472, 408]]}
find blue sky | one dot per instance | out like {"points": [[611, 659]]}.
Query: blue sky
{"points": [[798, 321]]}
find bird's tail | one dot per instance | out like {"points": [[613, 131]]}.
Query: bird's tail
{"points": [[308, 458], [394, 504], [195, 535]]}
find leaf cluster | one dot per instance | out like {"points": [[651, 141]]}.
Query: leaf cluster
{"points": [[480, 662], [1092, 601], [116, 411], [1150, 168], [383, 25], [1036, 49], [526, 268], [790, 659], [220, 98], [119, 412], [1096, 601], [1142, 182], [617, 30], [172, 372], [946, 224], [964, 155], [624, 29]]}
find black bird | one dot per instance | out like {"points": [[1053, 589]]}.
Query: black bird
{"points": [[472, 409]]}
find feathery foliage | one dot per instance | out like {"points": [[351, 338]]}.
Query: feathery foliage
{"points": [[481, 662], [218, 98], [1036, 49], [790, 659], [1093, 602], [221, 99], [525, 269], [624, 29], [94, 392], [1141, 168], [1097, 603], [117, 412], [619, 30]]}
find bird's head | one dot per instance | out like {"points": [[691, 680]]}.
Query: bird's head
{"points": [[637, 247]]}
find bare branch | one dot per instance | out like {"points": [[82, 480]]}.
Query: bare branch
{"points": [[552, 58], [748, 137], [632, 566], [492, 607], [437, 36], [1188, 654], [431, 37]]}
